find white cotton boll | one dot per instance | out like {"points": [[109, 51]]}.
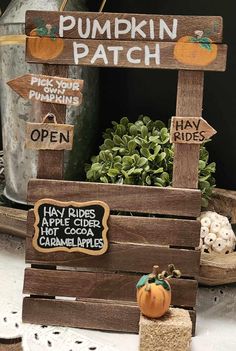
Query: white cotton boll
{"points": [[213, 216], [225, 222], [215, 227], [205, 221], [226, 233], [210, 239], [206, 249], [219, 245], [204, 232]]}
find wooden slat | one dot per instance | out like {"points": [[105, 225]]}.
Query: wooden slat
{"points": [[121, 257], [193, 317], [169, 201], [212, 26], [13, 221], [141, 230], [51, 162], [189, 104], [100, 285], [102, 315], [164, 55]]}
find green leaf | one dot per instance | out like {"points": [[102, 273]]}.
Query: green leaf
{"points": [[207, 46], [162, 283], [142, 161], [144, 132], [133, 130], [113, 172], [104, 179], [117, 140], [142, 281], [109, 143], [131, 146], [145, 152]]}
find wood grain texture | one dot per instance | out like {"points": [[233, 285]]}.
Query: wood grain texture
{"points": [[87, 314], [58, 90], [121, 257], [212, 26], [141, 230], [189, 104], [13, 221], [217, 269], [48, 136], [51, 162], [130, 55], [144, 199], [224, 202], [100, 285]]}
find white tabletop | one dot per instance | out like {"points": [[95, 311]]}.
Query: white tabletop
{"points": [[216, 323]]}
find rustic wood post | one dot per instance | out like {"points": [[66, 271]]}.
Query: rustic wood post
{"points": [[189, 104]]}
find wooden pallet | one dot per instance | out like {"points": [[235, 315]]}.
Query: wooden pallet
{"points": [[135, 244]]}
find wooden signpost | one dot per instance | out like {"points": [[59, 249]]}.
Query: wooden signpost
{"points": [[104, 286], [123, 40], [192, 130], [54, 90], [49, 136]]}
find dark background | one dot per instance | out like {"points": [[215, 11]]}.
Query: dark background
{"points": [[131, 92]]}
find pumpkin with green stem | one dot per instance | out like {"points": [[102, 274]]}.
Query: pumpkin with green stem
{"points": [[154, 292]]}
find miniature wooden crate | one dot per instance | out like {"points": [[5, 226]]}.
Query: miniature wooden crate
{"points": [[102, 289], [136, 243]]}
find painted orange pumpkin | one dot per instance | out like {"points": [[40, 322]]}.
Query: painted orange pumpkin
{"points": [[153, 295], [45, 48], [195, 51]]}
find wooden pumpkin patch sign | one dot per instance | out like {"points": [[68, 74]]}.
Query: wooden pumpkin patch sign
{"points": [[103, 283]]}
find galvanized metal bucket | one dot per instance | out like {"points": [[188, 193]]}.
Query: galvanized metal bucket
{"points": [[20, 163]]}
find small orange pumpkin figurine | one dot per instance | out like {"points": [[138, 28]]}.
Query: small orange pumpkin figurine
{"points": [[154, 292]]}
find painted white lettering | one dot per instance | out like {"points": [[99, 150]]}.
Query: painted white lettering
{"points": [[85, 34], [100, 54], [80, 51], [106, 29], [136, 28], [66, 23], [122, 26], [164, 28], [115, 50], [156, 55], [129, 55]]}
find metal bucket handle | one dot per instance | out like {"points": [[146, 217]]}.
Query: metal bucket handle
{"points": [[64, 3]]}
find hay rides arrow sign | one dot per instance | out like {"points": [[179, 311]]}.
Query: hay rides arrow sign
{"points": [[54, 90], [190, 130], [71, 226]]}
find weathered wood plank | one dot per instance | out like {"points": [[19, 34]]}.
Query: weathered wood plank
{"points": [[144, 199], [88, 314], [49, 136], [51, 162], [100, 285], [179, 26], [162, 55], [141, 230], [121, 257], [189, 104], [13, 221]]}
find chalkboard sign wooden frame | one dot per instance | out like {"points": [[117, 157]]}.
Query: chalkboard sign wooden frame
{"points": [[104, 288], [52, 205]]}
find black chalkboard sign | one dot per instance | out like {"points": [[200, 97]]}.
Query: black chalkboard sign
{"points": [[71, 226]]}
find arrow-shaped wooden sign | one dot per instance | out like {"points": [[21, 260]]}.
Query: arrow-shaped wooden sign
{"points": [[190, 130], [55, 90]]}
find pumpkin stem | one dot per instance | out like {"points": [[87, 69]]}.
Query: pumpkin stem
{"points": [[148, 287], [155, 271]]}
